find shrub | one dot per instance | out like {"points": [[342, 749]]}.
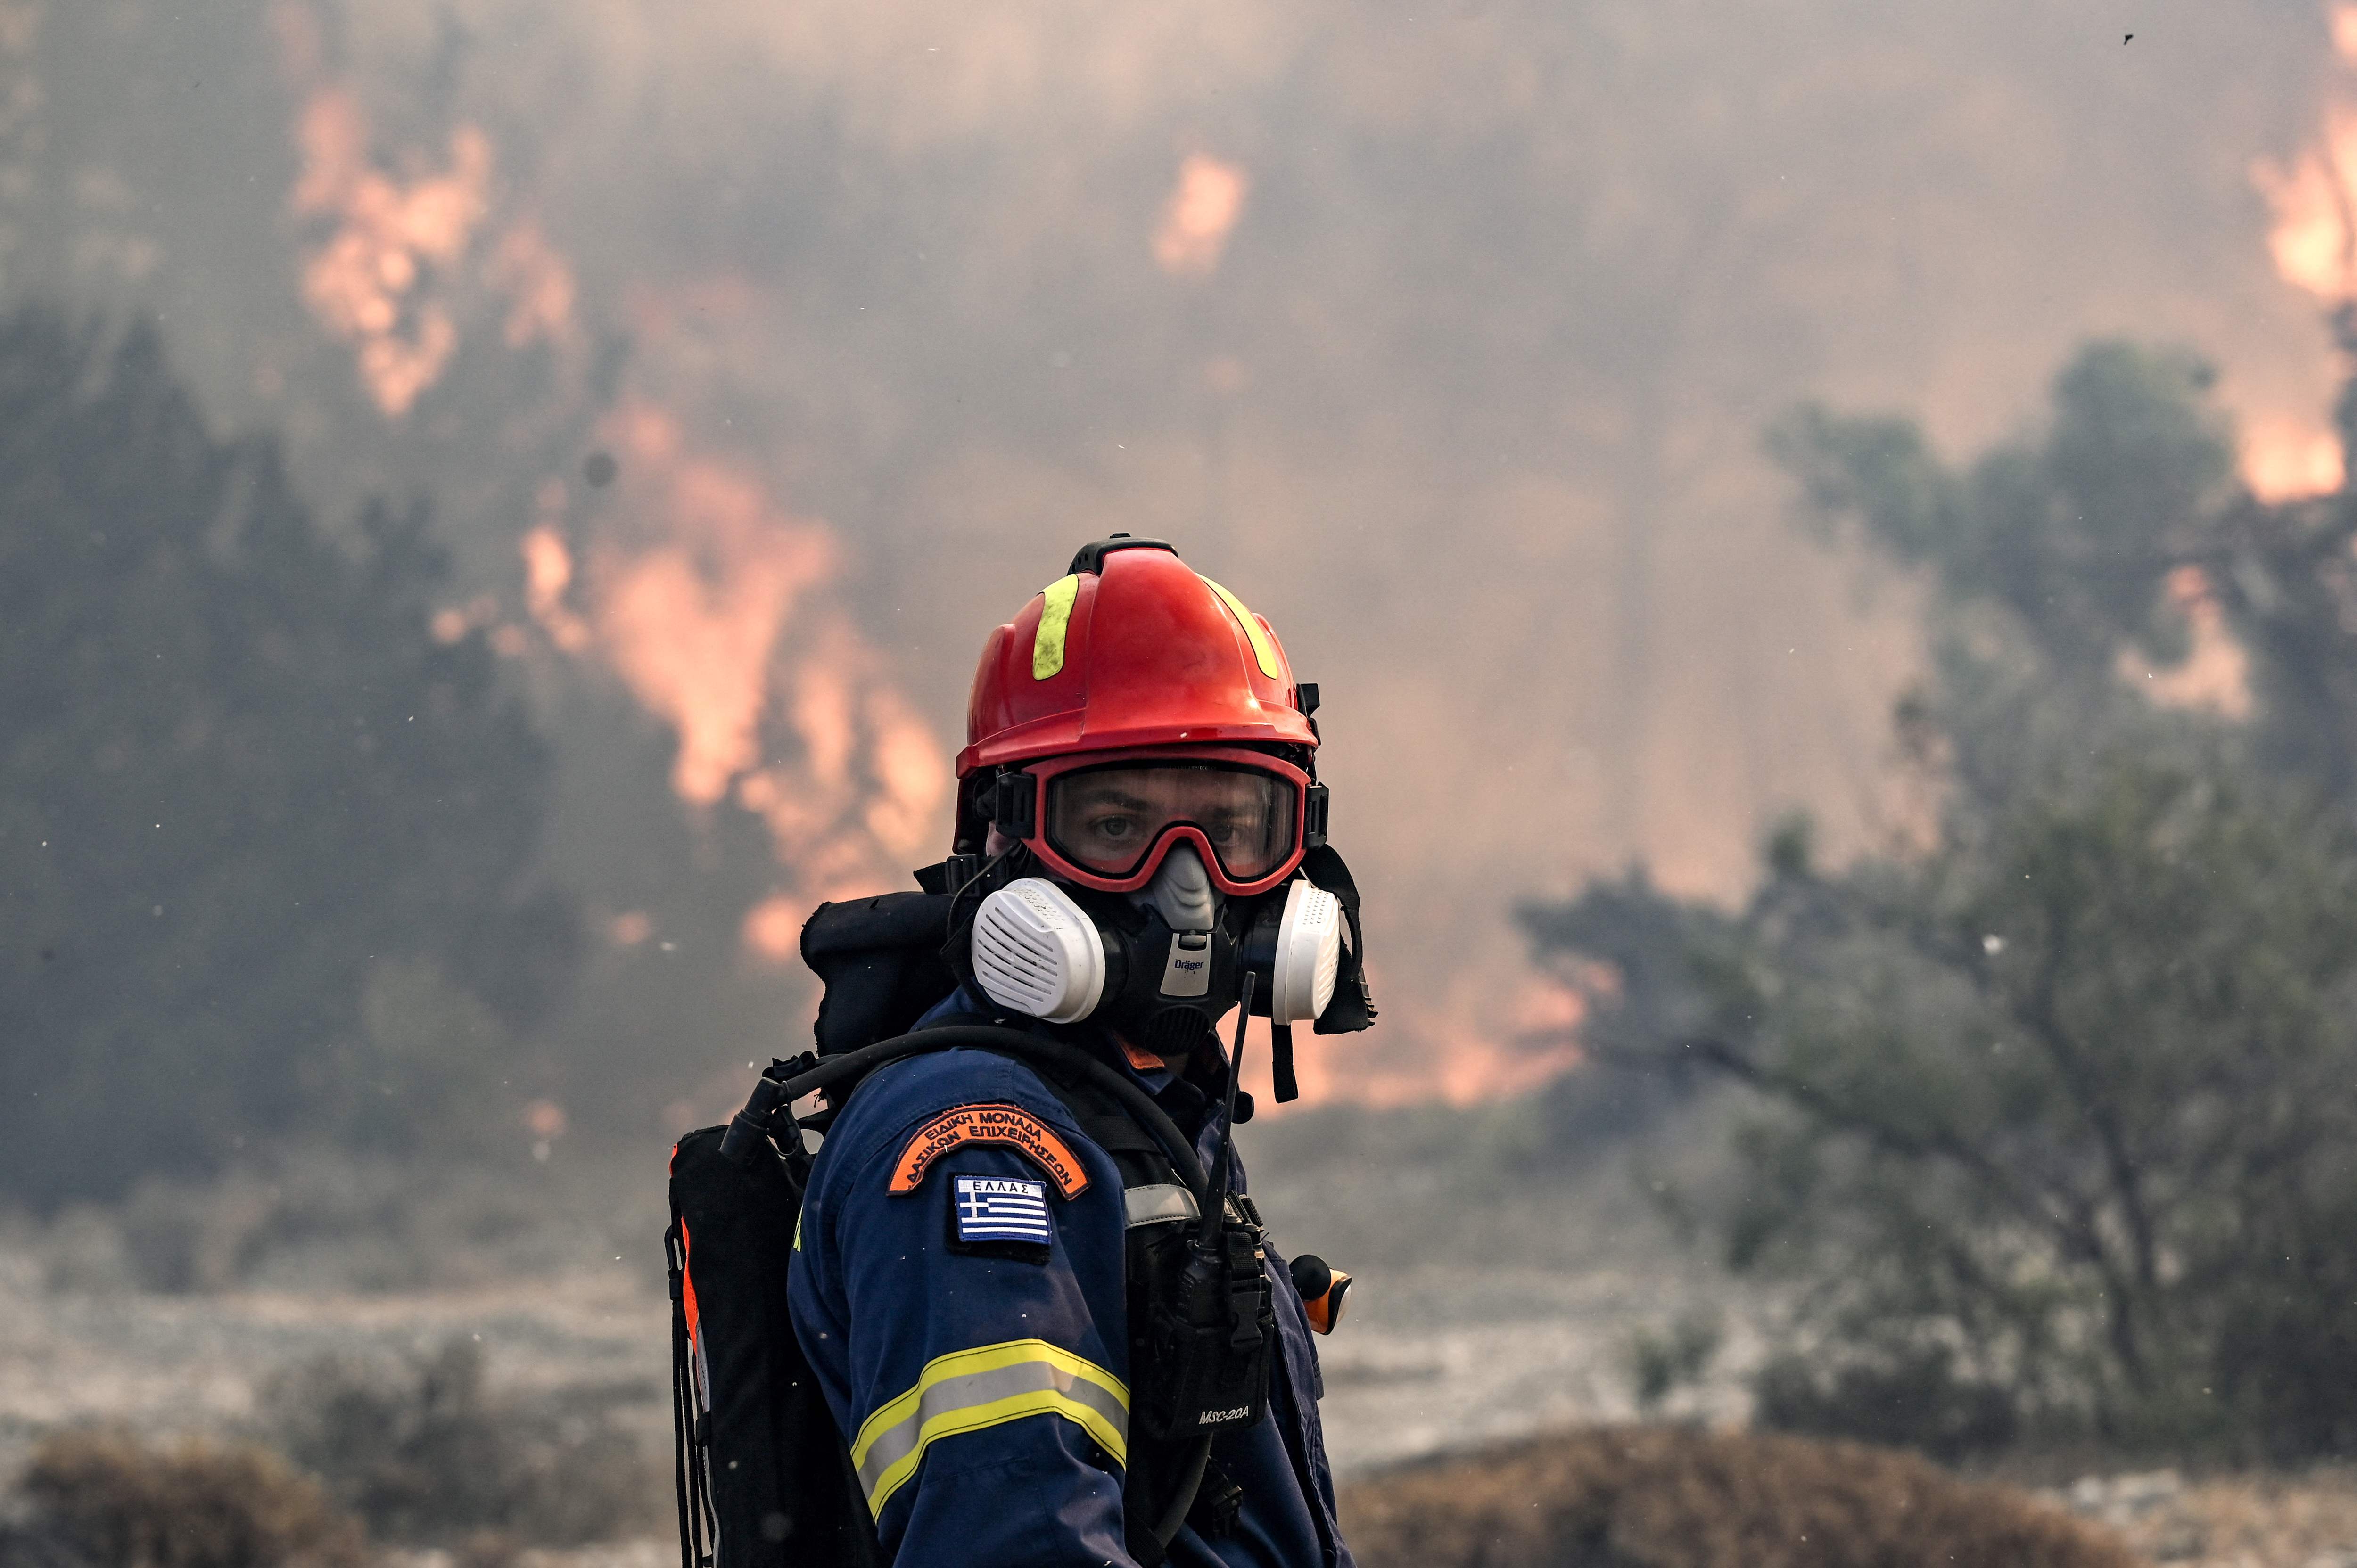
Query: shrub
{"points": [[1666, 1497], [323, 1217], [1659, 1364], [423, 1453], [1912, 1399], [110, 1501]]}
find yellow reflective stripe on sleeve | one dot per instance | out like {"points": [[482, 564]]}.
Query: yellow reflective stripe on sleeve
{"points": [[1262, 648], [970, 1390], [1055, 619]]}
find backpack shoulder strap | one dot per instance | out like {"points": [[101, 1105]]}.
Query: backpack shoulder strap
{"points": [[1162, 1181]]}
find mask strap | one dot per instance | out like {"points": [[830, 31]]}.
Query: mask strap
{"points": [[1280, 1063], [1353, 1006]]}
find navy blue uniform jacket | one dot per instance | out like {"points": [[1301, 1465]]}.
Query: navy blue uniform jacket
{"points": [[987, 1397]]}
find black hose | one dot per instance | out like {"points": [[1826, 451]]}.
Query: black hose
{"points": [[1036, 1048]]}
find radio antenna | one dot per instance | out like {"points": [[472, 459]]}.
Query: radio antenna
{"points": [[1215, 1216]]}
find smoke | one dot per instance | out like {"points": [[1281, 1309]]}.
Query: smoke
{"points": [[1443, 336]]}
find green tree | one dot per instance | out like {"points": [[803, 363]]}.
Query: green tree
{"points": [[239, 778], [2057, 1106]]}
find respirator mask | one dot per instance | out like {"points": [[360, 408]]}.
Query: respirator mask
{"points": [[1164, 884], [1159, 967]]}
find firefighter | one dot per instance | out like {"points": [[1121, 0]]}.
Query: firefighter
{"points": [[1137, 801]]}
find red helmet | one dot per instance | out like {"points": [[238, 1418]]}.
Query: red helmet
{"points": [[1133, 680]]}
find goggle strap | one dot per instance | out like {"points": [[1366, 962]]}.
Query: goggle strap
{"points": [[1015, 805]]}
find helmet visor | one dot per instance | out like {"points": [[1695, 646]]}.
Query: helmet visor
{"points": [[1108, 820]]}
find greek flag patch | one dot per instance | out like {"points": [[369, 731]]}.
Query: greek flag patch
{"points": [[1001, 1208]]}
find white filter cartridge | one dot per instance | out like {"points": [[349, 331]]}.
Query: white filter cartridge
{"points": [[1308, 954], [1037, 951]]}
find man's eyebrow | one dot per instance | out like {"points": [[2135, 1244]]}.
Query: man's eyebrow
{"points": [[1110, 795]]}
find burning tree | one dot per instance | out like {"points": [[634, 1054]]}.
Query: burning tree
{"points": [[2058, 1097]]}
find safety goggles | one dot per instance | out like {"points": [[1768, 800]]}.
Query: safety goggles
{"points": [[1107, 820]]}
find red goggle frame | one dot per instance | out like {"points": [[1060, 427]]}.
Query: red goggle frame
{"points": [[1023, 803]]}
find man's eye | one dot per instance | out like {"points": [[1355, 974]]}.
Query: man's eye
{"points": [[1114, 827]]}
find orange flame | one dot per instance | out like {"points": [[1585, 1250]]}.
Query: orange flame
{"points": [[369, 282], [453, 622], [548, 573], [394, 254], [2314, 237], [690, 623], [715, 625], [2313, 241], [706, 617], [1199, 216], [2314, 234], [2284, 461], [2216, 672]]}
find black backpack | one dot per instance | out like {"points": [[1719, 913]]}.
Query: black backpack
{"points": [[783, 1491], [763, 1478]]}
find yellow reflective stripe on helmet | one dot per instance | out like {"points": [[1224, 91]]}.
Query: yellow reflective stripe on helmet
{"points": [[1262, 648], [1055, 616], [970, 1390]]}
